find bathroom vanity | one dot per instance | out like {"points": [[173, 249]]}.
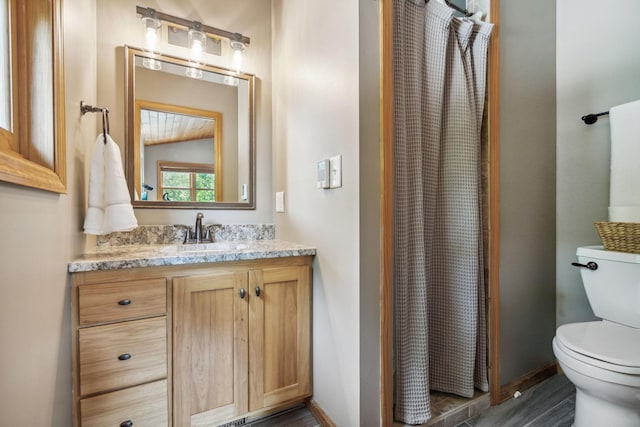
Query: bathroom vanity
{"points": [[190, 335]]}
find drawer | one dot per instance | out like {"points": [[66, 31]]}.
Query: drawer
{"points": [[143, 406], [122, 354], [108, 302]]}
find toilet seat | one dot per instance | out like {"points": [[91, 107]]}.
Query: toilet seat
{"points": [[603, 344]]}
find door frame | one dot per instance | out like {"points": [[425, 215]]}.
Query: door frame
{"points": [[386, 209]]}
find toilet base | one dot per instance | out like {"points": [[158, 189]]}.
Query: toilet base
{"points": [[600, 403], [595, 412]]}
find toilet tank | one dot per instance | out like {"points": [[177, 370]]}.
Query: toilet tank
{"points": [[613, 289]]}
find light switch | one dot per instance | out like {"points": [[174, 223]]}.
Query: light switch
{"points": [[279, 201], [322, 173], [335, 171]]}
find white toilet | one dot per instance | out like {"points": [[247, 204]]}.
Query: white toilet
{"points": [[602, 358]]}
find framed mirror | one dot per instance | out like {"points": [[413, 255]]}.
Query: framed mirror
{"points": [[190, 134]]}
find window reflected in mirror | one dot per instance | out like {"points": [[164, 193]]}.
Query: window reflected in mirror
{"points": [[168, 132], [186, 182]]}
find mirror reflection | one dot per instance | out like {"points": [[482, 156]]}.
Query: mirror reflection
{"points": [[190, 134]]}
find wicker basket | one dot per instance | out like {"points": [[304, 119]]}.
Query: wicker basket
{"points": [[619, 236]]}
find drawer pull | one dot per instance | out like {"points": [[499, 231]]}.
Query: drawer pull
{"points": [[125, 356], [127, 423], [124, 302]]}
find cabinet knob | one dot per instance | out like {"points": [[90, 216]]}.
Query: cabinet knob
{"points": [[257, 291], [242, 293], [125, 356], [124, 302], [127, 423]]}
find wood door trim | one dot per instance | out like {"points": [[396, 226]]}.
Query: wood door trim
{"points": [[386, 214], [494, 203]]}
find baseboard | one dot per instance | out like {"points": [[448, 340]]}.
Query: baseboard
{"points": [[319, 414], [527, 381]]}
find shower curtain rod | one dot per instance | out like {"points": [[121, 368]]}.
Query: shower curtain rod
{"points": [[465, 12]]}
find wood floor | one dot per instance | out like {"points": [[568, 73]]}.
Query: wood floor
{"points": [[548, 404], [296, 417]]}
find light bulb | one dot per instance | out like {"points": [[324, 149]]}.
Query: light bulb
{"points": [[197, 43], [152, 64], [196, 47], [151, 26], [237, 60], [231, 81], [237, 47], [193, 72]]}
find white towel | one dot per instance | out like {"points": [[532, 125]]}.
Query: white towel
{"points": [[625, 160], [624, 213], [109, 201]]}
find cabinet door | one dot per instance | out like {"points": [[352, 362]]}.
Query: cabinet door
{"points": [[280, 335], [210, 348]]}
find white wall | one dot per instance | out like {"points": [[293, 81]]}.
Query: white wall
{"points": [[249, 17], [315, 115], [40, 235], [527, 185], [598, 67], [370, 199]]}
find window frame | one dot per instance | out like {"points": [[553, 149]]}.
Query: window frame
{"points": [[24, 159]]}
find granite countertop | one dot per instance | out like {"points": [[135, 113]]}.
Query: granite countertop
{"points": [[133, 256]]}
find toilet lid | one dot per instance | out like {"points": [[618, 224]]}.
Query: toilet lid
{"points": [[604, 341]]}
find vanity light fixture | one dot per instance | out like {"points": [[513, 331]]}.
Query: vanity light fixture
{"points": [[193, 72], [197, 34], [238, 47], [197, 42], [231, 81], [152, 64], [151, 27]]}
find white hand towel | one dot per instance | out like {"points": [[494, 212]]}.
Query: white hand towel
{"points": [[95, 212], [109, 201], [625, 157]]}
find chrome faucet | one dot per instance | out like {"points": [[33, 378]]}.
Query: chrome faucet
{"points": [[198, 236], [198, 229]]}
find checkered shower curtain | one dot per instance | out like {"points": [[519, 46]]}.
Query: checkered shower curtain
{"points": [[440, 312]]}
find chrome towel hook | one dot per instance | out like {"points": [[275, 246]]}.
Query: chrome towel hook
{"points": [[86, 108]]}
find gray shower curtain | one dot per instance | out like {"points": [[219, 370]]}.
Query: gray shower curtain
{"points": [[440, 312]]}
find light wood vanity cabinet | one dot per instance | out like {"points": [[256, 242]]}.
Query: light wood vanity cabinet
{"points": [[120, 351], [209, 343], [210, 348]]}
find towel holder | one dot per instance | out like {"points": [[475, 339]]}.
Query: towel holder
{"points": [[86, 108], [590, 119]]}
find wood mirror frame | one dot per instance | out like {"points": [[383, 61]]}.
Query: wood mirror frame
{"points": [[32, 152], [132, 148]]}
